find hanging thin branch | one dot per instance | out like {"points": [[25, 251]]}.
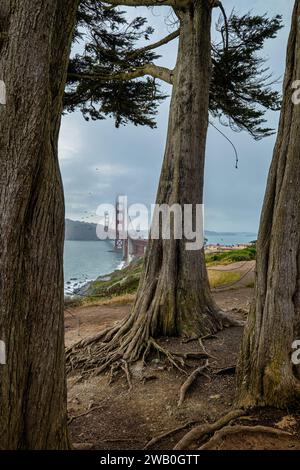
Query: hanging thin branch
{"points": [[226, 26], [231, 143]]}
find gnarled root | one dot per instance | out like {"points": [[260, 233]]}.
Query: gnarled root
{"points": [[220, 429], [157, 439], [228, 321], [190, 380], [117, 352], [219, 436], [131, 340], [122, 342], [225, 370], [193, 437]]}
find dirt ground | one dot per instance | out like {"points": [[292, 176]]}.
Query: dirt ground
{"points": [[107, 417]]}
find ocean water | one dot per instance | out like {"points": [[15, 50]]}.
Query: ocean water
{"points": [[230, 239], [86, 260]]}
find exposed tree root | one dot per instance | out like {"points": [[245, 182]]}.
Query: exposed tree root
{"points": [[125, 368], [189, 340], [82, 446], [193, 437], [228, 321], [190, 380], [177, 362], [222, 428], [198, 338], [200, 341], [225, 371], [218, 437], [113, 372], [155, 440], [93, 356], [130, 340], [203, 338], [85, 413]]}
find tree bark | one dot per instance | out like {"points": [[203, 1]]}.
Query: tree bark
{"points": [[266, 375], [174, 293], [33, 65], [173, 297]]}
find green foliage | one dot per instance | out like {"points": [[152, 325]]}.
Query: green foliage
{"points": [[124, 281], [222, 278], [108, 40], [241, 89], [232, 256]]}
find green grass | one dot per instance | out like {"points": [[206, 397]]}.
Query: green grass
{"points": [[111, 287], [122, 284], [228, 257], [222, 278]]}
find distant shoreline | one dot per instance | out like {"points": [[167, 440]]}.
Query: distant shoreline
{"points": [[86, 231], [213, 247]]}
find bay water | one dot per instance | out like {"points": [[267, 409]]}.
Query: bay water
{"points": [[84, 261]]}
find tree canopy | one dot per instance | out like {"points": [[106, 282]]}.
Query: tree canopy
{"points": [[111, 76], [109, 40]]}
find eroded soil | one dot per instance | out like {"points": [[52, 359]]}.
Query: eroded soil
{"points": [[105, 416]]}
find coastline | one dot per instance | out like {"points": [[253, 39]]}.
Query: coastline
{"points": [[125, 275], [75, 288]]}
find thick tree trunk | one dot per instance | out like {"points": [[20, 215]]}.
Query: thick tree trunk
{"points": [[173, 297], [266, 375], [33, 66]]}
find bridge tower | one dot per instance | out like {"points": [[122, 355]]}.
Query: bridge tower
{"points": [[121, 229], [106, 221]]}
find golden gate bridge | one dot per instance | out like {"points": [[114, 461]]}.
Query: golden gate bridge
{"points": [[131, 247]]}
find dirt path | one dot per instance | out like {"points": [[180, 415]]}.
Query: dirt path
{"points": [[245, 269], [112, 417], [81, 322]]}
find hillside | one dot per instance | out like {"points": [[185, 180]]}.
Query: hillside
{"points": [[86, 231], [76, 230]]}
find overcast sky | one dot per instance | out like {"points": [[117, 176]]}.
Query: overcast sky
{"points": [[99, 161]]}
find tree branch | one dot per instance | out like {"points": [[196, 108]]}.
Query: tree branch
{"points": [[139, 3], [218, 4], [154, 71], [155, 45]]}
